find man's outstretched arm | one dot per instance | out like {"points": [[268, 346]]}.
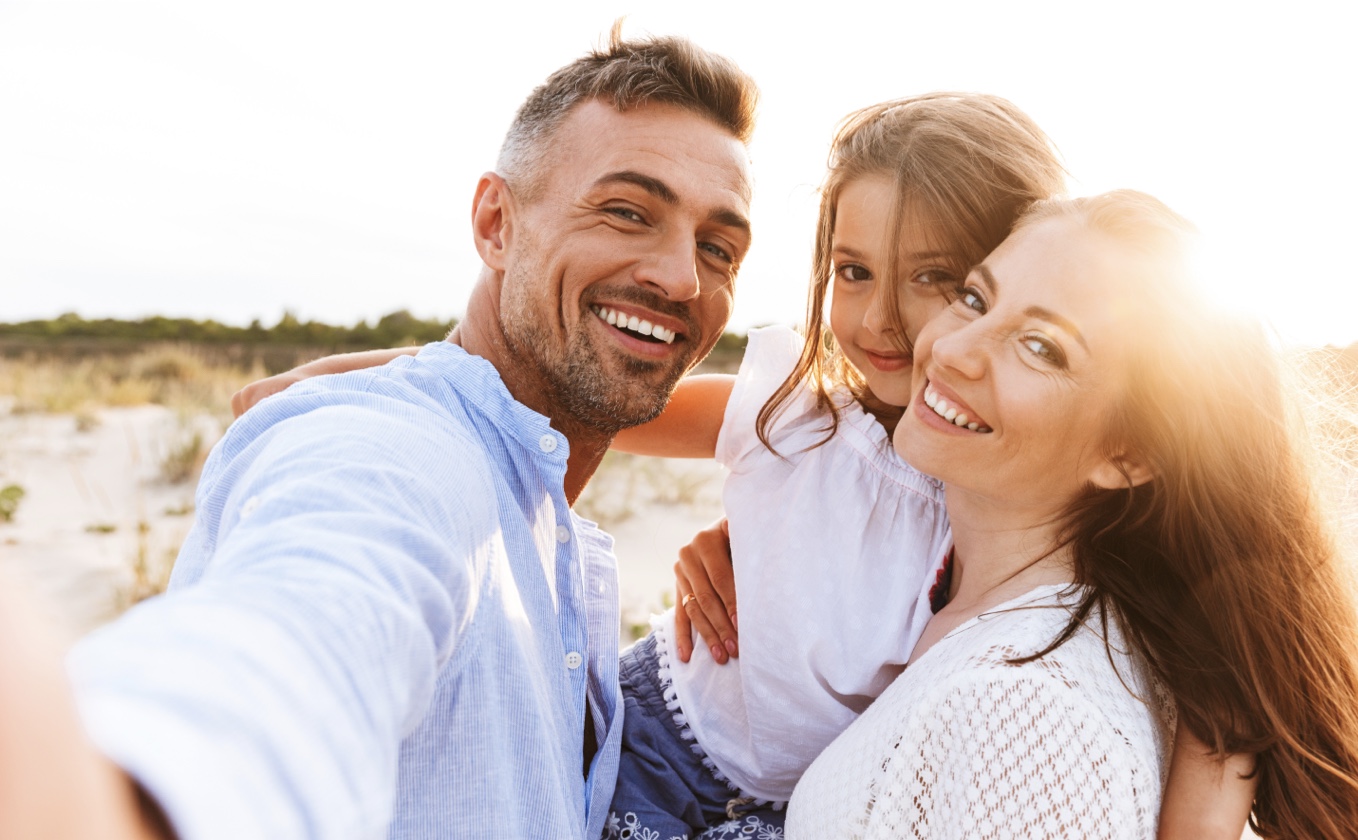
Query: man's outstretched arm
{"points": [[53, 782], [270, 697]]}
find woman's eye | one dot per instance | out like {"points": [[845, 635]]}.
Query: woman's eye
{"points": [[971, 299], [1045, 350], [853, 273]]}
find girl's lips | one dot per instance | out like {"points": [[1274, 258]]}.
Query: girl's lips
{"points": [[888, 363]]}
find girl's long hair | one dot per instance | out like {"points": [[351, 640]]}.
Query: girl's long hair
{"points": [[968, 163], [1226, 568]]}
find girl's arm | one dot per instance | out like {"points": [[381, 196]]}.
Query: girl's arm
{"points": [[1208, 797], [688, 426], [245, 399]]}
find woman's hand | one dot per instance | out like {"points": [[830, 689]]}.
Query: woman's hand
{"points": [[246, 398], [705, 589]]}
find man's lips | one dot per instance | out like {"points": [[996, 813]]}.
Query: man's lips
{"points": [[937, 401], [638, 323]]}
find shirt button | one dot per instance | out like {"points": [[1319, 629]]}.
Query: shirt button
{"points": [[563, 534], [547, 443], [573, 660]]}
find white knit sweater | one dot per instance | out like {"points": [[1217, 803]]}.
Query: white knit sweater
{"points": [[966, 745]]}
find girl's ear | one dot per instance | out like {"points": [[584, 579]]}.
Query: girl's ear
{"points": [[1117, 472], [492, 208]]}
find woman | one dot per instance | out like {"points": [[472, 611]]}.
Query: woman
{"points": [[1133, 522]]}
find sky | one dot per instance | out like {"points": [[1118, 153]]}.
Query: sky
{"points": [[238, 160]]}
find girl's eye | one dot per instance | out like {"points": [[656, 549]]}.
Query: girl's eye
{"points": [[971, 299], [1045, 349], [935, 278], [853, 273]]}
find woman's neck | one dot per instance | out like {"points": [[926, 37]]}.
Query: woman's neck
{"points": [[1001, 551]]}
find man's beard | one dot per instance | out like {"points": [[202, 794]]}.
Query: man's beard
{"points": [[581, 385]]}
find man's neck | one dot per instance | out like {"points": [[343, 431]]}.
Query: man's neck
{"points": [[480, 334]]}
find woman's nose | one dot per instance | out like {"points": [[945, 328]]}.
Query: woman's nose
{"points": [[964, 349]]}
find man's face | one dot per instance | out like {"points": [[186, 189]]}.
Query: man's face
{"points": [[619, 271]]}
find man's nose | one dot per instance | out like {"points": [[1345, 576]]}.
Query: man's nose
{"points": [[672, 270]]}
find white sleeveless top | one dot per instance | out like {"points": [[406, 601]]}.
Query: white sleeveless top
{"points": [[835, 549], [964, 744]]}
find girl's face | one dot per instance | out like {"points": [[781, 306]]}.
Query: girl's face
{"points": [[1017, 380], [860, 315]]}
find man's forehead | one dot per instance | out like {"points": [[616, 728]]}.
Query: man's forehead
{"points": [[671, 144]]}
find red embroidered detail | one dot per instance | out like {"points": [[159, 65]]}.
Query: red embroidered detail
{"points": [[938, 593]]}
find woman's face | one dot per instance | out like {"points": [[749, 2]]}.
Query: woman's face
{"points": [[1016, 380], [860, 301]]}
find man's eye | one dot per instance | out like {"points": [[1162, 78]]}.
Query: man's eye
{"points": [[716, 251], [625, 213]]}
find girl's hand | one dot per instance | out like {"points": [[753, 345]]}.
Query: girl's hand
{"points": [[246, 398], [705, 592]]}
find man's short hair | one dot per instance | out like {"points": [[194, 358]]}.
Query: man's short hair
{"points": [[627, 75]]}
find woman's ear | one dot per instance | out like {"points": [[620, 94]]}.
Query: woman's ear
{"points": [[1117, 472], [492, 208]]}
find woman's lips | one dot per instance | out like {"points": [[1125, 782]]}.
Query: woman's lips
{"points": [[952, 410]]}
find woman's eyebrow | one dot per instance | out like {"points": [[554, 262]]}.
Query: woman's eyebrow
{"points": [[1041, 312], [1059, 320]]}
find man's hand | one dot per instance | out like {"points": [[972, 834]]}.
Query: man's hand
{"points": [[705, 589], [54, 785]]}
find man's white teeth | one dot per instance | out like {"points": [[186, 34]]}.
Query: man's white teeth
{"points": [[950, 412], [634, 324]]}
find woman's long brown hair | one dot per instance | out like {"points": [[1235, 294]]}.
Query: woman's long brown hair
{"points": [[1225, 569], [970, 163]]}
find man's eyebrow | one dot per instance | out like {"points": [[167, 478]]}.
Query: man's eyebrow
{"points": [[1036, 311], [650, 184], [731, 218], [662, 191]]}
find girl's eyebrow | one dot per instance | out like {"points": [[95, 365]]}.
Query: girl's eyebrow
{"points": [[1040, 312]]}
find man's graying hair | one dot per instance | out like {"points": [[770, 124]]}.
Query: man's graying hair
{"points": [[628, 74]]}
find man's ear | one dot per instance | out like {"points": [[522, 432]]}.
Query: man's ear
{"points": [[1117, 472], [492, 208]]}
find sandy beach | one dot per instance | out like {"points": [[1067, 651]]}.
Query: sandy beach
{"points": [[102, 518]]}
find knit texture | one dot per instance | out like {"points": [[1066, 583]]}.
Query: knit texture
{"points": [[967, 744]]}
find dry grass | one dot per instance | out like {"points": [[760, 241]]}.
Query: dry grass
{"points": [[180, 377]]}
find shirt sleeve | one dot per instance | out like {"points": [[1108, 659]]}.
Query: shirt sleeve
{"points": [[1012, 757], [269, 699]]}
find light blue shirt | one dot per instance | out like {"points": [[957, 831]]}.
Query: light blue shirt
{"points": [[385, 622]]}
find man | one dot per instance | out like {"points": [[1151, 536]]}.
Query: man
{"points": [[386, 617]]}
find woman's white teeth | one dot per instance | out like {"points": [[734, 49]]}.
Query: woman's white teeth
{"points": [[634, 324], [950, 412]]}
